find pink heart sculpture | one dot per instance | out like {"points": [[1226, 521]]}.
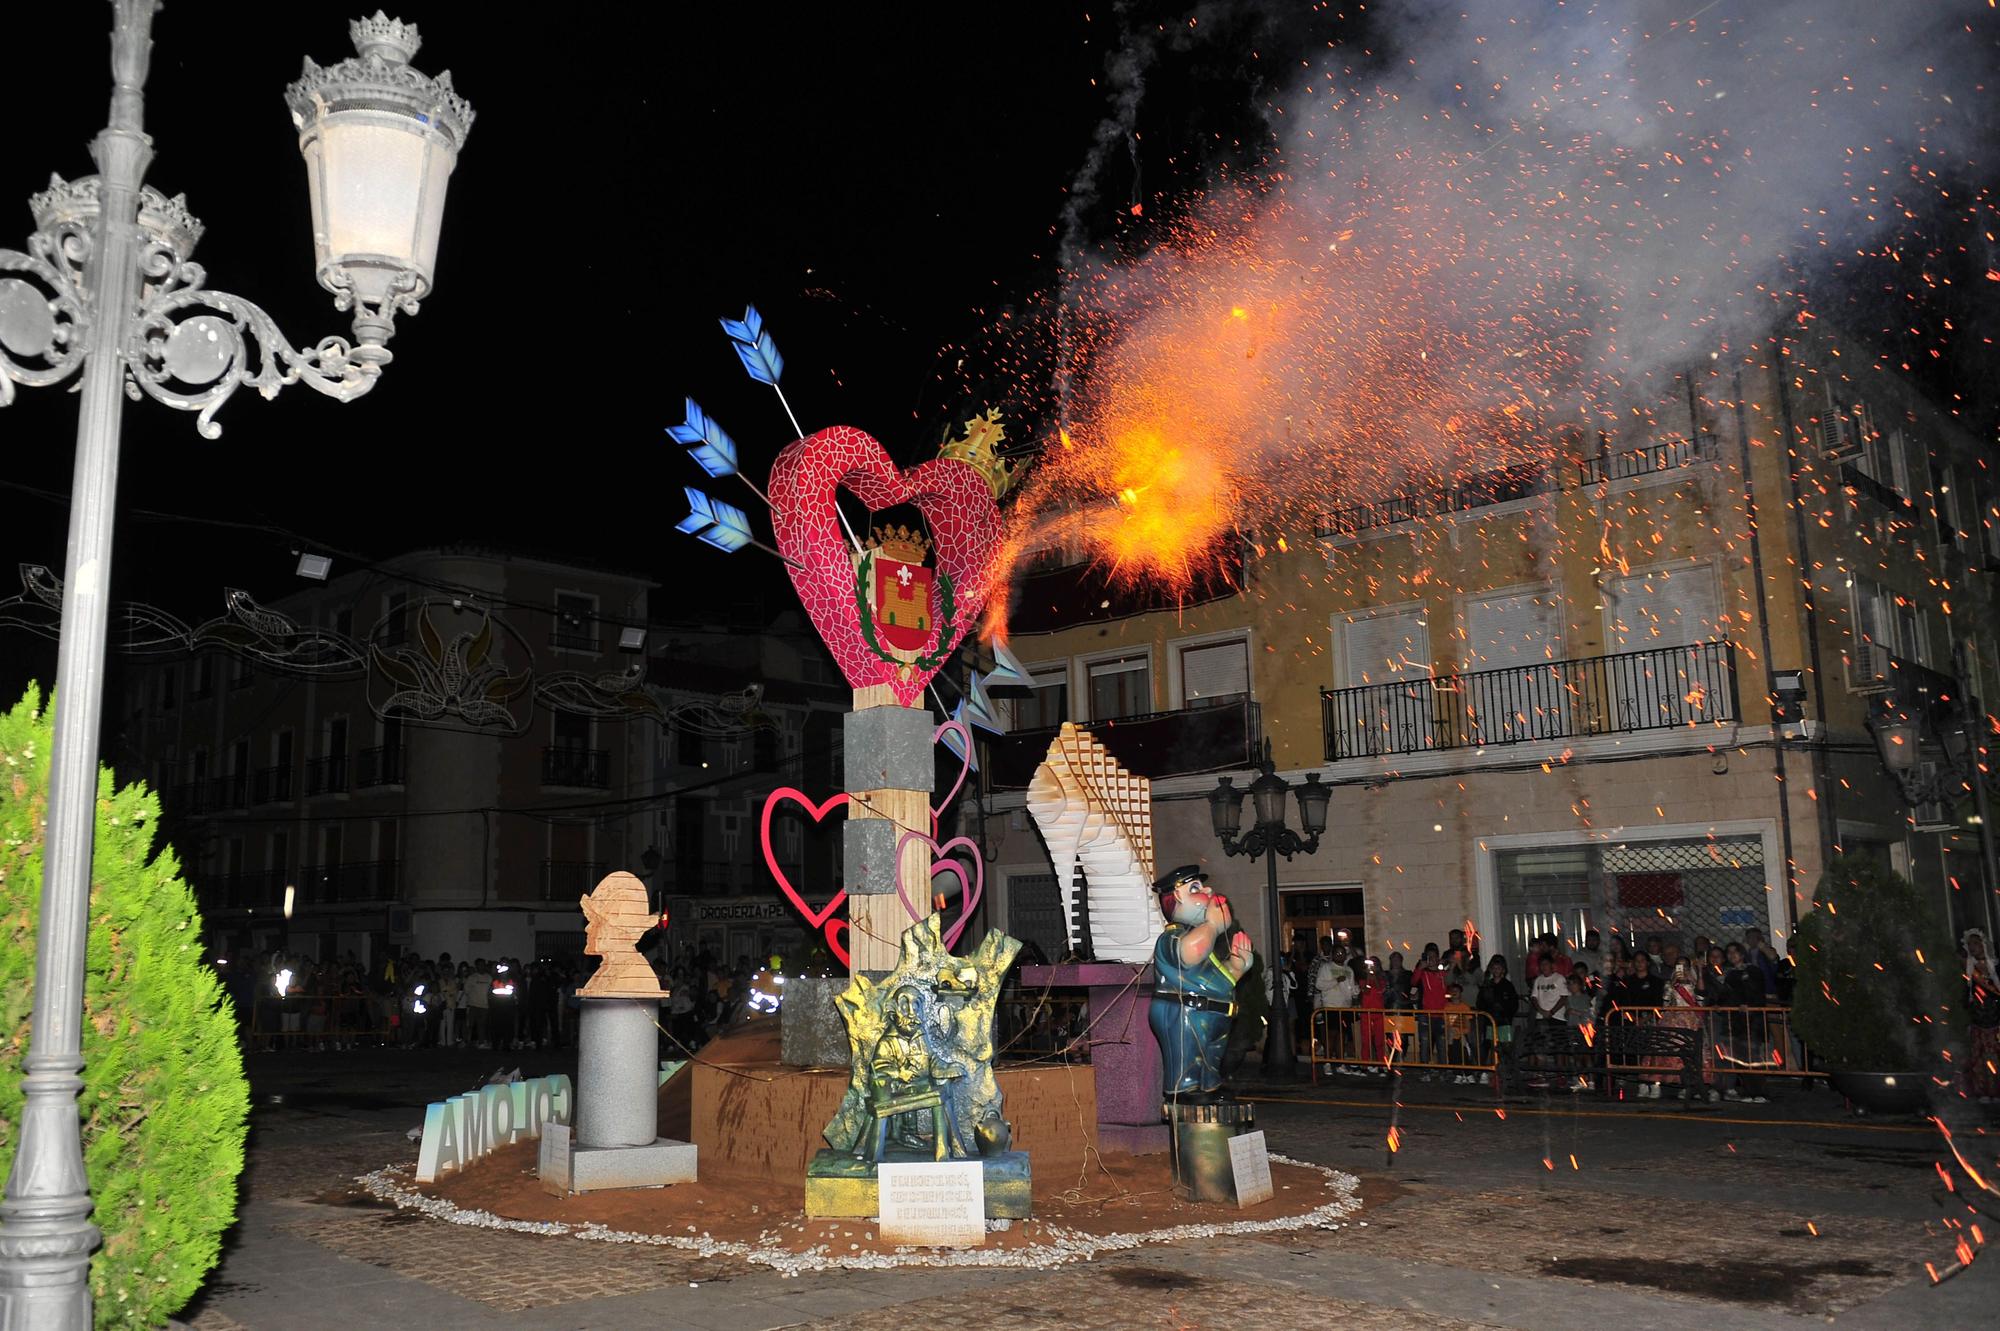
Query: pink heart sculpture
{"points": [[965, 768], [969, 892], [817, 919], [957, 505]]}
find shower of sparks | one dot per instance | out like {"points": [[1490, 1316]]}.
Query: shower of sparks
{"points": [[1488, 248]]}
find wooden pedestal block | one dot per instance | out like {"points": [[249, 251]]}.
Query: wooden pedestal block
{"points": [[761, 1116]]}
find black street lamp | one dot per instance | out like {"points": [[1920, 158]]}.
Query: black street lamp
{"points": [[1943, 719], [1272, 838]]}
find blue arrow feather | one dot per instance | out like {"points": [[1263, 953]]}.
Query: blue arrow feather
{"points": [[702, 514], [724, 526], [731, 531], [761, 359], [711, 447], [747, 329]]}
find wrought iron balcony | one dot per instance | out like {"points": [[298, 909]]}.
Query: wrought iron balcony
{"points": [[327, 776], [241, 891], [229, 792], [369, 880], [1520, 481], [1662, 688], [586, 769], [1222, 738], [272, 785], [380, 766], [567, 880], [1667, 455]]}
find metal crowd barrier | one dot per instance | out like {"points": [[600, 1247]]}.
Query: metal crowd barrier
{"points": [[1739, 1041], [1450, 1040]]}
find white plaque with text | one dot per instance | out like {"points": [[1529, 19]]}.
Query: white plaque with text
{"points": [[1250, 1159], [940, 1205]]}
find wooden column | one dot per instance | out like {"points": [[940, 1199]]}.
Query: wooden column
{"points": [[876, 922]]}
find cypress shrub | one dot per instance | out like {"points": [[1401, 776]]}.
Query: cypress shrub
{"points": [[1876, 973], [164, 1100]]}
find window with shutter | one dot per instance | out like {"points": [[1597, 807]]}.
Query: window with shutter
{"points": [[1385, 705], [1046, 707], [1120, 688], [1381, 647], [1661, 608], [1215, 673], [1644, 615], [1515, 629]]}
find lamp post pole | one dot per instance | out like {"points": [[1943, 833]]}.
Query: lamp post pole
{"points": [[46, 1236], [1270, 838], [107, 287]]}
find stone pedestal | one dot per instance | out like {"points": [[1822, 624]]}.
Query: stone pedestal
{"points": [[616, 1141], [1123, 1053], [1203, 1170], [813, 1034]]}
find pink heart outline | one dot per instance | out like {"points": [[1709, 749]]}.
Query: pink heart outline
{"points": [[969, 892], [819, 813], [834, 945], [965, 735]]}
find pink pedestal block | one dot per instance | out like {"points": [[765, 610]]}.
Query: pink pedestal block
{"points": [[1125, 1059]]}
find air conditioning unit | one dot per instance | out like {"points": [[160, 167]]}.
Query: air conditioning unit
{"points": [[1838, 438], [1867, 668]]}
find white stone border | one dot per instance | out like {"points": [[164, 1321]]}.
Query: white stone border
{"points": [[390, 1184]]}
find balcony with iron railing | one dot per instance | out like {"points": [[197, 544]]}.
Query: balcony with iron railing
{"points": [[1661, 688], [380, 766], [258, 888], [340, 884], [1523, 480], [582, 769], [567, 880], [327, 776], [271, 785], [1187, 742]]}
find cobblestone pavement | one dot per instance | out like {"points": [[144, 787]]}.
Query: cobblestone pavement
{"points": [[1114, 1297], [1791, 1212]]}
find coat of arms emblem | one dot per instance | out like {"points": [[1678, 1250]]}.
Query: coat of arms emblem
{"points": [[902, 603]]}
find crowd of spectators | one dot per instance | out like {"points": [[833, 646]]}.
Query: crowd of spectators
{"points": [[1604, 980], [285, 1000]]}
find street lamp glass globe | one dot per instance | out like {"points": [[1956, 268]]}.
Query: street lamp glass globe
{"points": [[380, 141], [1268, 793], [1313, 798], [1225, 808], [1899, 746]]}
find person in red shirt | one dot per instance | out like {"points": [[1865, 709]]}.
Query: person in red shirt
{"points": [[1371, 1020], [1430, 1007]]}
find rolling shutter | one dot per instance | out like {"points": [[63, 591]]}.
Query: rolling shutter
{"points": [[1214, 672]]}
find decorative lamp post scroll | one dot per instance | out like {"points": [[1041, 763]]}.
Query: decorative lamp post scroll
{"points": [[107, 287]]}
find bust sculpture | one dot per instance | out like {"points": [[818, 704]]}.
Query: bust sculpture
{"points": [[616, 917]]}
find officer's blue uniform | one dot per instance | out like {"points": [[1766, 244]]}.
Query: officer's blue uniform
{"points": [[1190, 1016]]}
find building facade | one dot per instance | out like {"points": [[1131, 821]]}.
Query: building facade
{"points": [[439, 753], [1647, 686]]}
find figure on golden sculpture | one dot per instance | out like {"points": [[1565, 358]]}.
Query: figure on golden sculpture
{"points": [[616, 917]]}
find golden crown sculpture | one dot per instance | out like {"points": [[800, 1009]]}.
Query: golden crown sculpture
{"points": [[905, 545], [983, 434]]}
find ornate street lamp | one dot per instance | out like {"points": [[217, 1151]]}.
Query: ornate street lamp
{"points": [[1953, 724], [1271, 838], [108, 287]]}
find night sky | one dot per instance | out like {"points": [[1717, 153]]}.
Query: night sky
{"points": [[886, 184], [878, 186]]}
